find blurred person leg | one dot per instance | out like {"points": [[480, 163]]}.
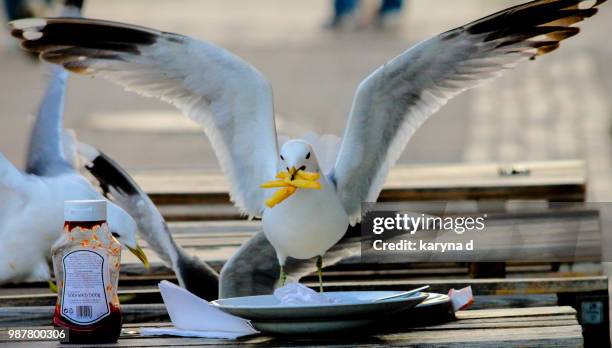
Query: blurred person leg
{"points": [[343, 11], [389, 14], [16, 9], [390, 7]]}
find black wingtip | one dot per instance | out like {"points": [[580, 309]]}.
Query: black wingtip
{"points": [[17, 33], [110, 174], [65, 33], [198, 277], [535, 28], [531, 14]]}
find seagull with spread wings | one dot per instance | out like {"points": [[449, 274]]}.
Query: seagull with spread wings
{"points": [[311, 210]]}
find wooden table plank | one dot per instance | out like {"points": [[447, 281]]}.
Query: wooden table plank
{"points": [[515, 312], [552, 180], [490, 286], [556, 336], [537, 327], [156, 312], [41, 315]]}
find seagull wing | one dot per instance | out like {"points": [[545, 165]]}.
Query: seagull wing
{"points": [[252, 270], [45, 153], [393, 102], [227, 96], [194, 275]]}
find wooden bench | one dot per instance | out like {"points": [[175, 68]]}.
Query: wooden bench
{"points": [[528, 327], [544, 237], [199, 195]]}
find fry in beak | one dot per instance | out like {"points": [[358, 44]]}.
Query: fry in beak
{"points": [[288, 182], [274, 184], [280, 196], [305, 184], [308, 175]]}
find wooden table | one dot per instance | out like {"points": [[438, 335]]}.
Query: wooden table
{"points": [[196, 196], [524, 327]]}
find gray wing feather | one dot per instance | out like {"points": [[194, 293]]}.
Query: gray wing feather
{"points": [[230, 99], [252, 270]]}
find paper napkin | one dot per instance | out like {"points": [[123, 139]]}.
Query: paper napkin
{"points": [[195, 317]]}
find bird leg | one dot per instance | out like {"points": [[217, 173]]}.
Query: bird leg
{"points": [[283, 276], [320, 272]]}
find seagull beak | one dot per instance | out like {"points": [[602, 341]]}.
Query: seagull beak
{"points": [[140, 255], [292, 172]]}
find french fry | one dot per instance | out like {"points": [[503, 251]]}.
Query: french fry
{"points": [[274, 184], [287, 187], [308, 175], [280, 196], [305, 184]]}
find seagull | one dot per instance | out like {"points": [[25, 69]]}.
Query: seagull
{"points": [[192, 274], [233, 103], [31, 202]]}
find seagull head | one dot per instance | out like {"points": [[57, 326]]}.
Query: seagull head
{"points": [[296, 155], [123, 227], [298, 158]]}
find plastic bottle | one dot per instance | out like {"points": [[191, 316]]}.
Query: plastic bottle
{"points": [[86, 260]]}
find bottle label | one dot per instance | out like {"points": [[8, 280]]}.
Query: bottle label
{"points": [[83, 296]]}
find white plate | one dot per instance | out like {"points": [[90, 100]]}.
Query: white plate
{"points": [[356, 309]]}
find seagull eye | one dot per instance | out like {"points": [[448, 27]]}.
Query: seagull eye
{"points": [[283, 158], [308, 156]]}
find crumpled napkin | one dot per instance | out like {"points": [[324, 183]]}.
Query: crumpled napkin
{"points": [[295, 294], [461, 299], [195, 317]]}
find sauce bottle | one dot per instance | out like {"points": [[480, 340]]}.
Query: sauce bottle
{"points": [[86, 260]]}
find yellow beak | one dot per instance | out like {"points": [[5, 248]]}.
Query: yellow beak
{"points": [[291, 174], [140, 255]]}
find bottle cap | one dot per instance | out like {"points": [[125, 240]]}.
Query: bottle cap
{"points": [[85, 210]]}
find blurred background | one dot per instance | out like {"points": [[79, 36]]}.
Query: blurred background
{"points": [[557, 107]]}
